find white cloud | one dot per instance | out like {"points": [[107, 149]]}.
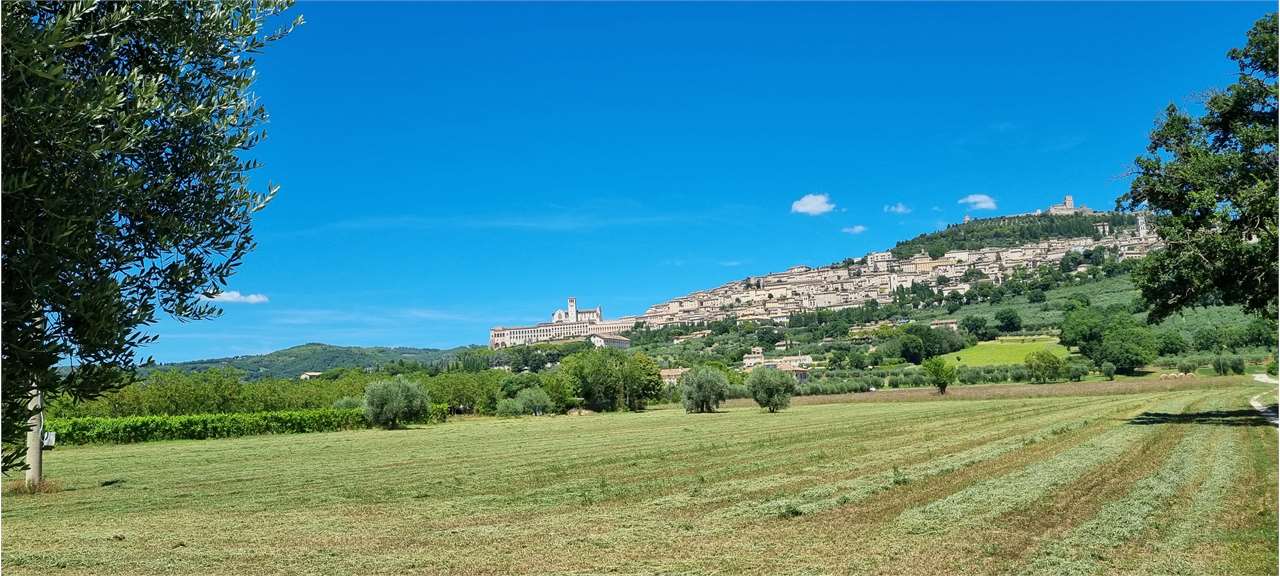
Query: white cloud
{"points": [[813, 204], [234, 296], [855, 229], [731, 263], [898, 208], [978, 202]]}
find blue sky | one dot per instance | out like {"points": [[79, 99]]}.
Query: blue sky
{"points": [[447, 167]]}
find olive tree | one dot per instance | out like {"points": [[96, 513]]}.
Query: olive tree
{"points": [[703, 388], [771, 388], [534, 401], [126, 186], [391, 403]]}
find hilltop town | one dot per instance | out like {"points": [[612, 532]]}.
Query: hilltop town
{"points": [[876, 276]]}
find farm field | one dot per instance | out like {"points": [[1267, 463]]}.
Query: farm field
{"points": [[1081, 479], [1012, 350]]}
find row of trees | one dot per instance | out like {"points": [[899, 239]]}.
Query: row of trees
{"points": [[703, 388]]}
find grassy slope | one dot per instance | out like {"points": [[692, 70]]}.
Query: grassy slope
{"points": [[1005, 351], [924, 487]]}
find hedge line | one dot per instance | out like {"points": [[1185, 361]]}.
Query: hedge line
{"points": [[93, 430]]}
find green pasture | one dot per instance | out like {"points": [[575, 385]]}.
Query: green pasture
{"points": [[1161, 479], [1010, 350]]}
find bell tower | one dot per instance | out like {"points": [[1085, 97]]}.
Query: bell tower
{"points": [[573, 309]]}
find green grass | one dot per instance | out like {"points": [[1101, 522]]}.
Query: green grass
{"points": [[1005, 351], [1078, 478]]}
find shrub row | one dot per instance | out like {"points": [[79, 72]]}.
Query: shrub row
{"points": [[97, 430], [992, 374], [1182, 361], [838, 386]]}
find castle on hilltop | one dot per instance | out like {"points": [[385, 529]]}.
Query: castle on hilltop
{"points": [[1068, 206]]}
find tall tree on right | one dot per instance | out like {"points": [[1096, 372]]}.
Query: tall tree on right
{"points": [[1210, 183]]}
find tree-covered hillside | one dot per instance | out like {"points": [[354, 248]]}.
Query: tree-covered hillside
{"points": [[291, 362], [1008, 231]]}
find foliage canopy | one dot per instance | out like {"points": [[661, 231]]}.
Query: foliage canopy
{"points": [[771, 388], [125, 190], [1211, 184]]}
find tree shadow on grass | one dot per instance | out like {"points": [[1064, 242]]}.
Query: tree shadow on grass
{"points": [[1244, 417]]}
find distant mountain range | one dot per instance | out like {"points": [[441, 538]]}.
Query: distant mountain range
{"points": [[291, 362]]}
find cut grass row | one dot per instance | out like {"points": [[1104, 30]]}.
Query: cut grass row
{"points": [[816, 489]]}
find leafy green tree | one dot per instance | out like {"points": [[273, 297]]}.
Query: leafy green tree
{"points": [[1008, 320], [1171, 343], [1044, 366], [771, 388], [703, 388], [641, 381], [1211, 184], [596, 375], [1128, 347], [1237, 364], [509, 408], [467, 392], [1108, 369], [940, 373], [512, 384], [126, 187], [391, 403], [1080, 299], [1036, 296], [559, 387], [911, 348], [976, 325], [1258, 331], [1085, 328], [768, 336], [1221, 365], [534, 401], [1210, 339]]}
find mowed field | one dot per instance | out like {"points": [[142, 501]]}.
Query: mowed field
{"points": [[1006, 351], [1140, 479]]}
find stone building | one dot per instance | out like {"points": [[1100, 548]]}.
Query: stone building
{"points": [[569, 324]]}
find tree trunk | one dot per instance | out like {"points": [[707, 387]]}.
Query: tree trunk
{"points": [[35, 443]]}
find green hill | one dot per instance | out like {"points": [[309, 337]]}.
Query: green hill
{"points": [[291, 362], [1006, 231]]}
